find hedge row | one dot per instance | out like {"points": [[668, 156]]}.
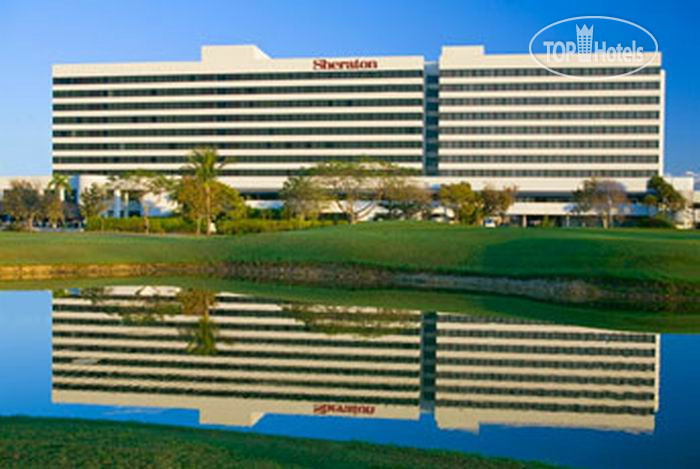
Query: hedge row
{"points": [[136, 225], [252, 225], [180, 225]]}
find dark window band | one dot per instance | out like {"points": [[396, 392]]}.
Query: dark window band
{"points": [[540, 392], [218, 365], [279, 355], [239, 131], [547, 349], [237, 104], [538, 71], [558, 100], [288, 396], [181, 172], [546, 364], [231, 146], [240, 118], [549, 158], [236, 77], [169, 378], [545, 378], [546, 173], [558, 336], [546, 407], [595, 85], [552, 144], [553, 129], [238, 159], [539, 115], [235, 91]]}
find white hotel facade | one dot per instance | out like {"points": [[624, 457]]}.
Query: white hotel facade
{"points": [[489, 119]]}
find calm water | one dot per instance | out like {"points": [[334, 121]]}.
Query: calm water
{"points": [[430, 379]]}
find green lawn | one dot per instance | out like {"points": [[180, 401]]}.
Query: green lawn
{"points": [[659, 255], [38, 442]]}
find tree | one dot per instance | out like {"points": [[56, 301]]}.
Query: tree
{"points": [[665, 197], [608, 199], [141, 184], [205, 165], [651, 202], [53, 209], [60, 183], [404, 198], [191, 195], [354, 187], [497, 203], [202, 335], [54, 198], [304, 197], [93, 202], [605, 197], [23, 202], [227, 201], [583, 198], [463, 201]]}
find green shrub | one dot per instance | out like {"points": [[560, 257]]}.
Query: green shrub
{"points": [[256, 225], [224, 226], [656, 222], [136, 225]]}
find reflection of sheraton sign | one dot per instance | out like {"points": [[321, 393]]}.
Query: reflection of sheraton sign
{"points": [[357, 64], [343, 409]]}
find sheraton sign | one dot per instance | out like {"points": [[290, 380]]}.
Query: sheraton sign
{"points": [[343, 409], [356, 64]]}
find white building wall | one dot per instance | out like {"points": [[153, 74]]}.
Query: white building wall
{"points": [[313, 107], [504, 153]]}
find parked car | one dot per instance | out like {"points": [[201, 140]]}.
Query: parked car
{"points": [[489, 223]]}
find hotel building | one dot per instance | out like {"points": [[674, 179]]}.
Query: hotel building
{"points": [[274, 116], [127, 346], [489, 119], [498, 120]]}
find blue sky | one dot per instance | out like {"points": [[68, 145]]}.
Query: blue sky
{"points": [[36, 34]]}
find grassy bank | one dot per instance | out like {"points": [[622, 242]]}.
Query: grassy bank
{"points": [[621, 269], [36, 442], [658, 255]]}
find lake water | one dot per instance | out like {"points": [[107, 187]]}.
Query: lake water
{"points": [[502, 386]]}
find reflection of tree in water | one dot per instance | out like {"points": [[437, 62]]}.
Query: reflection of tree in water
{"points": [[60, 293], [374, 322], [202, 335], [148, 305], [154, 307]]}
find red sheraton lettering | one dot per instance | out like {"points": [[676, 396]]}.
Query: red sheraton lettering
{"points": [[351, 409], [356, 64]]}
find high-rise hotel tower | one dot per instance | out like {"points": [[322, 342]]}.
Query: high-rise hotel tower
{"points": [[484, 118]]}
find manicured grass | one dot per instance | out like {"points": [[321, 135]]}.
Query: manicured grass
{"points": [[627, 254], [107, 248], [38, 442], [658, 255]]}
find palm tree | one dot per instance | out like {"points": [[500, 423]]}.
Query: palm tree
{"points": [[60, 187], [205, 164], [60, 183]]}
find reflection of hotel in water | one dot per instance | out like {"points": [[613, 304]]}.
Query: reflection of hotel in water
{"points": [[280, 359]]}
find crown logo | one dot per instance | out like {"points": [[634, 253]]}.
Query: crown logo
{"points": [[584, 43]]}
